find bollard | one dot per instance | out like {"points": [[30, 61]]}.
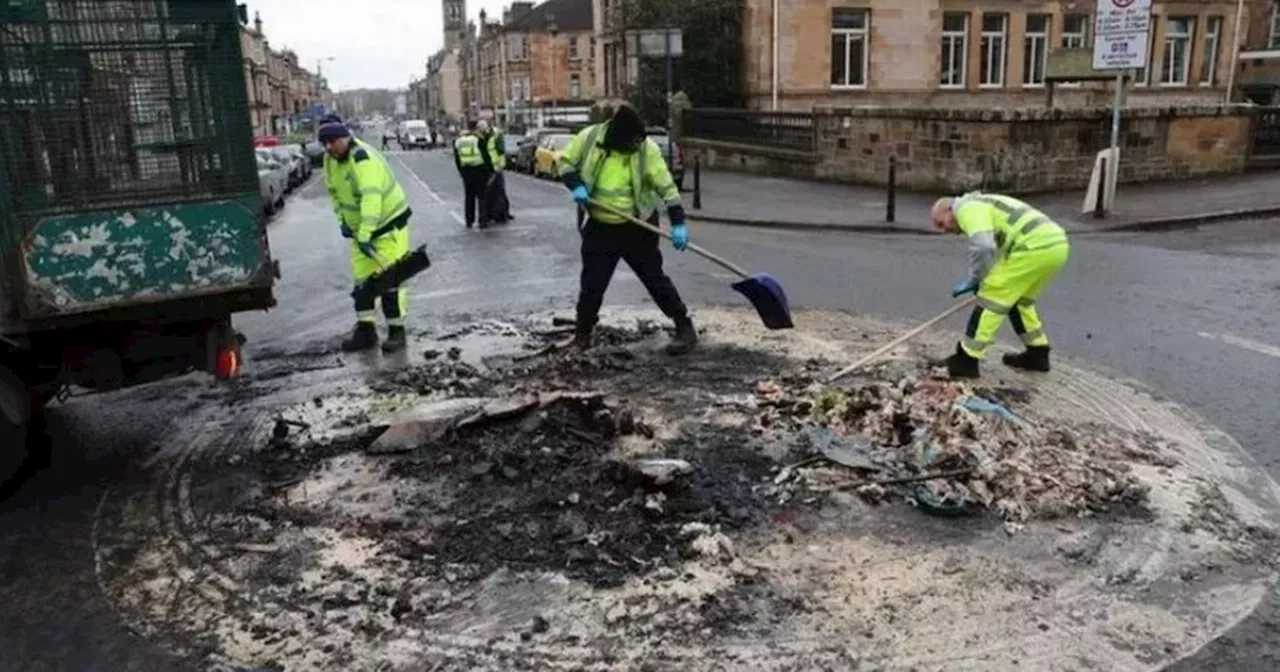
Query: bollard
{"points": [[890, 205], [1100, 203], [697, 183]]}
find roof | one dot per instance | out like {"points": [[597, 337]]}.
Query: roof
{"points": [[570, 16]]}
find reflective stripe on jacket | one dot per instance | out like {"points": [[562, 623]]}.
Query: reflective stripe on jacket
{"points": [[602, 173], [365, 193], [1015, 225], [467, 147]]}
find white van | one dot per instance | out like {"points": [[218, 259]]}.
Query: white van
{"points": [[416, 134]]}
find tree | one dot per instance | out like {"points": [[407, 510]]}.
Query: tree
{"points": [[710, 70]]}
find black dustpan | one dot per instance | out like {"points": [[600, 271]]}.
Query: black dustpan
{"points": [[762, 290]]}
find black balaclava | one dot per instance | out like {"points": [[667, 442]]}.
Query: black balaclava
{"points": [[626, 130]]}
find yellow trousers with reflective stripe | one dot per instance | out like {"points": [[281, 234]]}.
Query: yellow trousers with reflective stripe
{"points": [[390, 248], [1011, 289]]}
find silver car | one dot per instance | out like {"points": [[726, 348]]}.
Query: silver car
{"points": [[272, 182]]}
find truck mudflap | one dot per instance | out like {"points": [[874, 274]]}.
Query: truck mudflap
{"points": [[94, 261]]}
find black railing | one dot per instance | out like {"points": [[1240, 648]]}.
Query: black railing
{"points": [[778, 130], [1265, 139]]}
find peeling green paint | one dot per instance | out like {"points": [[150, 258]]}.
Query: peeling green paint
{"points": [[89, 261]]}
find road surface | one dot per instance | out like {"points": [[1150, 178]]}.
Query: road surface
{"points": [[1191, 314]]}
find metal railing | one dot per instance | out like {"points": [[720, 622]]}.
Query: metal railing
{"points": [[1264, 148], [777, 130]]}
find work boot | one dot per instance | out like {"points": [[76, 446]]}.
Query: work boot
{"points": [[365, 337], [961, 365], [582, 337], [1035, 358], [395, 340], [685, 340]]}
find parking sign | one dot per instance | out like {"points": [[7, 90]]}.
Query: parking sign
{"points": [[1122, 34]]}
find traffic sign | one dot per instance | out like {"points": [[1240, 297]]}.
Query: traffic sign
{"points": [[1122, 34]]}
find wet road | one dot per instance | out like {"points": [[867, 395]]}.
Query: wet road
{"points": [[1192, 314]]}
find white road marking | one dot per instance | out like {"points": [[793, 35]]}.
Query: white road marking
{"points": [[430, 192], [1255, 346]]}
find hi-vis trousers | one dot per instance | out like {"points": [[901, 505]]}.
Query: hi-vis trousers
{"points": [[390, 248], [1011, 289]]}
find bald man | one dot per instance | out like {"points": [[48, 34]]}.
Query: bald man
{"points": [[1015, 252]]}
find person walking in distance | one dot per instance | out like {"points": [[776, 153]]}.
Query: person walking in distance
{"points": [[373, 212], [617, 164], [1015, 253], [468, 156]]}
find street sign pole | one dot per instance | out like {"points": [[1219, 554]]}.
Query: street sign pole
{"points": [[1122, 37]]}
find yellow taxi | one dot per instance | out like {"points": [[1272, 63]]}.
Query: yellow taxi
{"points": [[547, 156]]}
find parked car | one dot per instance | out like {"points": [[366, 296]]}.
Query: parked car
{"points": [[511, 144], [547, 156], [298, 166], [415, 134], [527, 147], [671, 152], [275, 164], [315, 151], [270, 186]]}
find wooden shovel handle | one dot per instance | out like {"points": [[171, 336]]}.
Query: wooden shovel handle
{"points": [[955, 308], [710, 256]]}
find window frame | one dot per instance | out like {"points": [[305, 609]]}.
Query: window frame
{"points": [[1273, 41], [863, 37], [514, 39], [575, 81], [573, 48], [949, 39], [1209, 55], [1043, 37], [1187, 41], [986, 41]]}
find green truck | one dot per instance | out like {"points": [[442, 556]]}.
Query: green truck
{"points": [[130, 221]]}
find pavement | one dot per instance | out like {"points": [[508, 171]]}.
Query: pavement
{"points": [[749, 200], [1186, 313]]}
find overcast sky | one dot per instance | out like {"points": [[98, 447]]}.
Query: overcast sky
{"points": [[373, 43]]}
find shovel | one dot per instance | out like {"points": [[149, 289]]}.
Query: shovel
{"points": [[955, 308], [762, 290], [393, 276]]}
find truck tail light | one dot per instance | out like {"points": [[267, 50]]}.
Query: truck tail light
{"points": [[227, 365]]}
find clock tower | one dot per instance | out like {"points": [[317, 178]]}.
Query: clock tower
{"points": [[455, 23]]}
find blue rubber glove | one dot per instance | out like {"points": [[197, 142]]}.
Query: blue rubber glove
{"points": [[580, 195], [367, 250], [679, 235], [966, 286], [347, 232]]}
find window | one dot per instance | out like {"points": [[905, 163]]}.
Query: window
{"points": [[1209, 60], [1075, 31], [955, 39], [1142, 76], [515, 47], [520, 88], [994, 28], [573, 48], [1274, 42], [1035, 49], [1177, 50], [575, 86], [849, 47]]}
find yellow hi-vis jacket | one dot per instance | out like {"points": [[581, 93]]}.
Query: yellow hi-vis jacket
{"points": [[366, 195], [632, 182], [467, 150], [998, 226], [497, 151]]}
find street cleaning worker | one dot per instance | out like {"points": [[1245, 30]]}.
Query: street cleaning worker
{"points": [[618, 164], [468, 156], [374, 213], [1015, 252], [495, 159]]}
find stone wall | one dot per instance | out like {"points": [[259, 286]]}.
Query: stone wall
{"points": [[1010, 150]]}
